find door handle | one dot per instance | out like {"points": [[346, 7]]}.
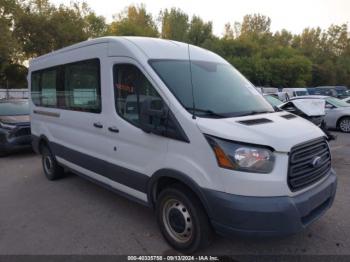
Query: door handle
{"points": [[113, 129], [98, 125]]}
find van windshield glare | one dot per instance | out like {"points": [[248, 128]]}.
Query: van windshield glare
{"points": [[218, 88]]}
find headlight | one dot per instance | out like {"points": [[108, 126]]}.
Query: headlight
{"points": [[7, 126], [242, 157]]}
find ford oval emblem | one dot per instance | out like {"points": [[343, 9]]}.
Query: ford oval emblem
{"points": [[316, 161]]}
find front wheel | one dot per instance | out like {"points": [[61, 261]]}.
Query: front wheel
{"points": [[182, 219], [344, 124]]}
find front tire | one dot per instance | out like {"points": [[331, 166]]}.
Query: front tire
{"points": [[182, 219], [344, 124], [50, 166]]}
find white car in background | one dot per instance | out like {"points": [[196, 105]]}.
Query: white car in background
{"points": [[337, 112], [294, 92], [308, 107]]}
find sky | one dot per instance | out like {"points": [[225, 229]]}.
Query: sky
{"points": [[293, 15]]}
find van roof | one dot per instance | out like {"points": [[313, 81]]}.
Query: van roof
{"points": [[150, 48]]}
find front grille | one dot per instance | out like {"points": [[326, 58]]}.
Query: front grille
{"points": [[308, 163]]}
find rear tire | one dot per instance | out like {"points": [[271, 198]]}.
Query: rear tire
{"points": [[344, 124], [50, 166], [182, 219]]}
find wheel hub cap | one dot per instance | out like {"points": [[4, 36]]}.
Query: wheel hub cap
{"points": [[177, 220], [345, 125]]}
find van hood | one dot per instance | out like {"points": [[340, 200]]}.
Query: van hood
{"points": [[271, 129], [18, 119]]}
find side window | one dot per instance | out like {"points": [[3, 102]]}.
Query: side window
{"points": [[82, 90], [74, 86], [48, 88], [35, 88], [131, 89]]}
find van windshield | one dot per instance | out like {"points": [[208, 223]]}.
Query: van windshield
{"points": [[219, 90]]}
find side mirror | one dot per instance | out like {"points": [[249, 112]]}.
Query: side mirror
{"points": [[329, 106], [153, 114]]}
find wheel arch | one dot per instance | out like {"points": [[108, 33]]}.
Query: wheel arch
{"points": [[38, 142], [165, 177]]}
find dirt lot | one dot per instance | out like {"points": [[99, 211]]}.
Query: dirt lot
{"points": [[75, 216]]}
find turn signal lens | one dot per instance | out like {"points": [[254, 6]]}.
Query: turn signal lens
{"points": [[222, 159]]}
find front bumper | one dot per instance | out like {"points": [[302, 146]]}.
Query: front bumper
{"points": [[269, 216], [14, 140]]}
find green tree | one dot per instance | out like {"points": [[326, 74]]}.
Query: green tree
{"points": [[9, 48], [16, 76], [309, 42], [41, 27], [199, 31], [283, 38], [255, 24], [315, 57], [174, 24], [95, 25], [134, 21]]}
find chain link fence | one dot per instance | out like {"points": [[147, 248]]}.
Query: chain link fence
{"points": [[14, 93]]}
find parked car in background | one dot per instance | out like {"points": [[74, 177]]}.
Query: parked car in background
{"points": [[311, 90], [337, 113], [273, 100], [283, 96], [335, 91], [347, 100], [273, 91], [267, 90], [311, 109], [14, 126], [293, 92]]}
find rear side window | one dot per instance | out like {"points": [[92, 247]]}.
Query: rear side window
{"points": [[82, 86], [74, 86]]}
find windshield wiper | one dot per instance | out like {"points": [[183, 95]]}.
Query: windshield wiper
{"points": [[206, 112]]}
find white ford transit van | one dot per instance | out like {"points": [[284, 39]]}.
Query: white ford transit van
{"points": [[293, 92], [177, 128]]}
